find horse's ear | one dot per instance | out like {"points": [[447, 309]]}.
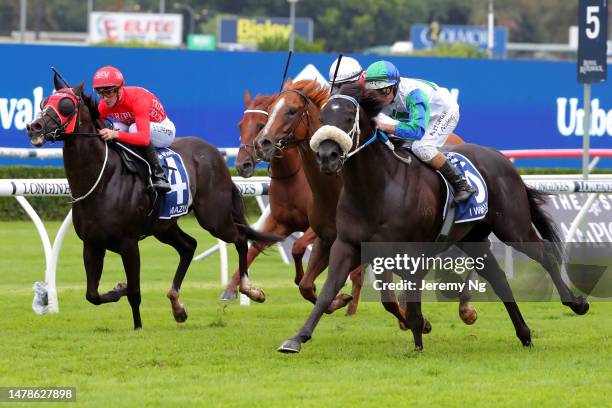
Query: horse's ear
{"points": [[288, 83], [79, 89], [247, 97], [57, 84]]}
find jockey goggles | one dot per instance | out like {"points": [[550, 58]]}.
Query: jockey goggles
{"points": [[107, 91]]}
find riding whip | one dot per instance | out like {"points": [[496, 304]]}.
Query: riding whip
{"points": [[286, 68], [335, 73]]}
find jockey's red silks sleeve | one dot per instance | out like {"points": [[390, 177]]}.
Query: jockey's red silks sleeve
{"points": [[136, 105]]}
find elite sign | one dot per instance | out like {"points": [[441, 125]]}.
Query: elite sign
{"points": [[592, 41]]}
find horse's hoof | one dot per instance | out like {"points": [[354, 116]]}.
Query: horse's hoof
{"points": [[426, 326], [228, 295], [255, 294], [181, 315], [524, 336], [418, 349], [339, 302], [468, 314], [580, 306], [290, 347], [121, 286]]}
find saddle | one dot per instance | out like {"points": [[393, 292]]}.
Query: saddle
{"points": [[134, 163]]}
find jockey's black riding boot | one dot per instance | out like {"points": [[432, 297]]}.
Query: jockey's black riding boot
{"points": [[158, 178], [463, 190]]}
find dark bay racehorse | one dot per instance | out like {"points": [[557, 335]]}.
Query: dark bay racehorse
{"points": [[384, 200], [290, 196], [294, 117], [289, 192], [112, 208]]}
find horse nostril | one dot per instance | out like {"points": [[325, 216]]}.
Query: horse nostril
{"points": [[37, 127], [265, 144], [28, 126], [247, 165], [334, 156]]}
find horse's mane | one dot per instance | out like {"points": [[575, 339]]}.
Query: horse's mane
{"points": [[371, 102], [262, 100], [316, 92], [91, 104]]}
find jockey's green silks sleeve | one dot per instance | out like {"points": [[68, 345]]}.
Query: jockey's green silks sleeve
{"points": [[414, 122]]}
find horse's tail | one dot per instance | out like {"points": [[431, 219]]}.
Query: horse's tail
{"points": [[543, 222], [239, 215]]}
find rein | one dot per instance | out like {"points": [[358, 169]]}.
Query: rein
{"points": [[355, 132]]}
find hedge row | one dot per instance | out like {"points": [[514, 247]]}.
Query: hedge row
{"points": [[56, 208]]}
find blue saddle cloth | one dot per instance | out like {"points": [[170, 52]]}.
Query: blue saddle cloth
{"points": [[178, 200], [477, 206]]}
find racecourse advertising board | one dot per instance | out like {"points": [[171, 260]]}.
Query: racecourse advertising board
{"points": [[504, 104]]}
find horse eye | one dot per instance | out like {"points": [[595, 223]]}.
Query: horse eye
{"points": [[65, 106]]}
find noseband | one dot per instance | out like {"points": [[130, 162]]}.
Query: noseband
{"points": [[249, 148]]}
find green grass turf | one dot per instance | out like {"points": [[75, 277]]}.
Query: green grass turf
{"points": [[226, 356]]}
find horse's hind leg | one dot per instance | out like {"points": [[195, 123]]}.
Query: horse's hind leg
{"points": [[538, 251], [93, 258], [529, 242], [130, 255], [497, 278], [185, 245]]}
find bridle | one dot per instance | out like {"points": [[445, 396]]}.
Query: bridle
{"points": [[355, 133], [290, 138], [250, 150], [65, 127]]}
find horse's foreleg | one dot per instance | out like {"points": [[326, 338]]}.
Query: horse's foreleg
{"points": [[356, 277], [130, 256], [345, 258], [467, 312], [298, 250], [270, 226], [318, 261], [246, 287], [93, 258], [185, 245]]}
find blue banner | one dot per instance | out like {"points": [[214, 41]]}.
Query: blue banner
{"points": [[452, 34], [504, 104]]}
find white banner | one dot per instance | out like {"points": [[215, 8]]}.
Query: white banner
{"points": [[164, 29]]}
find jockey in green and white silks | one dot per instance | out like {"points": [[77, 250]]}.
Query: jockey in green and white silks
{"points": [[420, 111]]}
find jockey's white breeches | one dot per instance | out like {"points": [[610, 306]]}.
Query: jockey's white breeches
{"points": [[162, 133], [440, 127]]}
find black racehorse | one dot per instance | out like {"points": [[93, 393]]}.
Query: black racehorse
{"points": [[111, 209], [386, 200]]}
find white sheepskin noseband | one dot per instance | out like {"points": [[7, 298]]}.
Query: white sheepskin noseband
{"points": [[333, 133]]}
